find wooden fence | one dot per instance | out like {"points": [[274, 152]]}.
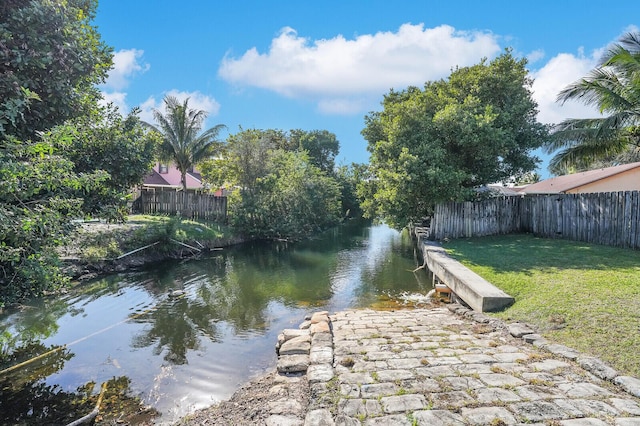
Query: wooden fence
{"points": [[198, 206], [611, 218]]}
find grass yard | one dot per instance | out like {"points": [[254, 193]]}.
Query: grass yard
{"points": [[582, 295]]}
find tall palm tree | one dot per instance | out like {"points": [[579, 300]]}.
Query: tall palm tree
{"points": [[614, 88], [182, 141]]}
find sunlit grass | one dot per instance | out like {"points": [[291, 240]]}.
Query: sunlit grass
{"points": [[582, 295]]}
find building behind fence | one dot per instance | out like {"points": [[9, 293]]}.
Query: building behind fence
{"points": [[609, 218], [198, 205]]}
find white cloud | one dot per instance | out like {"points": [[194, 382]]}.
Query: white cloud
{"points": [[339, 73], [127, 63], [197, 100], [116, 98], [555, 75], [535, 56]]}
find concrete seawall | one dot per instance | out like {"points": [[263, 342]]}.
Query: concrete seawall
{"points": [[475, 291]]}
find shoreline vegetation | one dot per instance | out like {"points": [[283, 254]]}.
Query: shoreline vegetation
{"points": [[98, 248], [584, 296]]}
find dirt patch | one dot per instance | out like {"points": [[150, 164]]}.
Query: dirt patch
{"points": [[250, 405]]}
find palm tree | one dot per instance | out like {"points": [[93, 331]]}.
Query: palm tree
{"points": [[182, 141], [614, 88]]}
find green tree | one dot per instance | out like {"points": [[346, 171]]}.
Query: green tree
{"points": [[280, 193], [349, 178], [37, 204], [322, 147], [51, 60], [438, 143], [182, 141], [120, 146], [614, 88]]}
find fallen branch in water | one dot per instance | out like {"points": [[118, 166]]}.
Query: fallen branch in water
{"points": [[419, 267], [94, 413], [137, 250], [186, 245]]}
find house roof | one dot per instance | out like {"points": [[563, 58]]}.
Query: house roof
{"points": [[172, 178], [565, 183]]}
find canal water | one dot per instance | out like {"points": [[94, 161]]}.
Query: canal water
{"points": [[182, 353]]}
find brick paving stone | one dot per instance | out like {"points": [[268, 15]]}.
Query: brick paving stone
{"points": [[422, 385], [549, 364], [487, 415], [477, 359], [498, 379], [320, 417], [444, 360], [404, 363], [359, 407], [278, 420], [583, 422], [635, 421], [588, 407], [395, 420], [495, 395], [392, 375], [506, 349], [563, 351], [342, 420], [356, 378], [435, 371], [510, 356], [629, 384], [321, 355], [378, 389], [518, 329], [463, 383], [627, 406], [542, 377], [582, 390], [469, 369], [402, 403], [535, 392], [381, 356], [319, 373], [438, 418], [350, 390], [535, 411], [450, 400]]}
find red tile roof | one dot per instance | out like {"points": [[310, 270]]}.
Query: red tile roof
{"points": [[565, 183]]}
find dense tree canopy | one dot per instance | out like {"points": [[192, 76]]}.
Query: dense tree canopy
{"points": [[276, 192], [437, 144], [38, 200], [614, 88], [51, 60], [121, 146]]}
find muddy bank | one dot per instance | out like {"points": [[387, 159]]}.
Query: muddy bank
{"points": [[82, 258]]}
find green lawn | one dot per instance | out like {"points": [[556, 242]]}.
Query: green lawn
{"points": [[582, 295]]}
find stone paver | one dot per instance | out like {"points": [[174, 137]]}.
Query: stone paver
{"points": [[444, 366]]}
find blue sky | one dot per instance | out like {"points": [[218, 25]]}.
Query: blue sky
{"points": [[326, 64]]}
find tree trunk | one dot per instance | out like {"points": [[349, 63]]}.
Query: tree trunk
{"points": [[186, 211]]}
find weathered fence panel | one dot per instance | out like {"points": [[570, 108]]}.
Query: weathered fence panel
{"points": [[611, 218], [187, 204]]}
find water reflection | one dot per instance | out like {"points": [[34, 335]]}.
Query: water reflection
{"points": [[186, 352]]}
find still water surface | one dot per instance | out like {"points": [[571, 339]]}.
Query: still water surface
{"points": [[183, 353]]}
